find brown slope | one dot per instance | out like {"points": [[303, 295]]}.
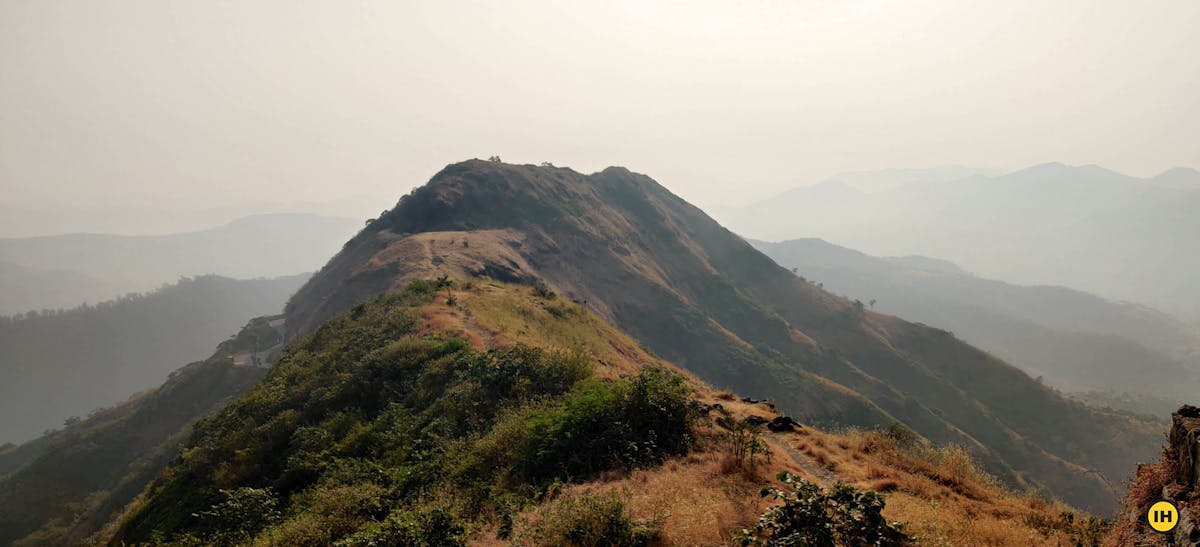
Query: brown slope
{"points": [[704, 299]]}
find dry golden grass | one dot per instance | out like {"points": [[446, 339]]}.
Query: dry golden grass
{"points": [[429, 255], [701, 504], [941, 499], [696, 498], [695, 502], [490, 314], [938, 493], [935, 522]]}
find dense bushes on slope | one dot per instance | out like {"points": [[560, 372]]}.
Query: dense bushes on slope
{"points": [[366, 432], [589, 519]]}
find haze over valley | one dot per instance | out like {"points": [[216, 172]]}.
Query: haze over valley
{"points": [[65, 364], [63, 271], [1078, 342], [1085, 227]]}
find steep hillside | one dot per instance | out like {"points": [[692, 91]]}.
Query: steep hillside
{"points": [[702, 298], [62, 487], [1084, 227], [489, 413], [34, 270], [431, 414], [1076, 341], [61, 364]]}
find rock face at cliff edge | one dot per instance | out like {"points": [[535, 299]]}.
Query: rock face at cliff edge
{"points": [[1184, 488], [1174, 478], [701, 297]]}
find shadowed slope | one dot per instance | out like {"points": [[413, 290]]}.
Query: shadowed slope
{"points": [[1077, 341], [62, 487]]}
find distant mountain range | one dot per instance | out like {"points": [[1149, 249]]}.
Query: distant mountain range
{"points": [[64, 271], [24, 220], [1085, 227], [1075, 340], [62, 364], [888, 179], [24, 289]]}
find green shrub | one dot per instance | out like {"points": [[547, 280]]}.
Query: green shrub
{"points": [[409, 528], [542, 290], [602, 425], [810, 517], [521, 373], [242, 514], [901, 435], [589, 520], [741, 445]]}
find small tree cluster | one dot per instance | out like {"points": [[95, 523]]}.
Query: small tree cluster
{"points": [[742, 445], [809, 516], [542, 290]]}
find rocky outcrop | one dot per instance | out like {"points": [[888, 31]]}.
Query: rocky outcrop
{"points": [[1185, 441], [782, 423], [1184, 447]]}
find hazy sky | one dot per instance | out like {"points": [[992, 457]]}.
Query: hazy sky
{"points": [[213, 103]]}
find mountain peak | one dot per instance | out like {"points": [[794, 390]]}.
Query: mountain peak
{"points": [[1059, 172], [701, 297], [1177, 177], [616, 170], [1047, 167]]}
